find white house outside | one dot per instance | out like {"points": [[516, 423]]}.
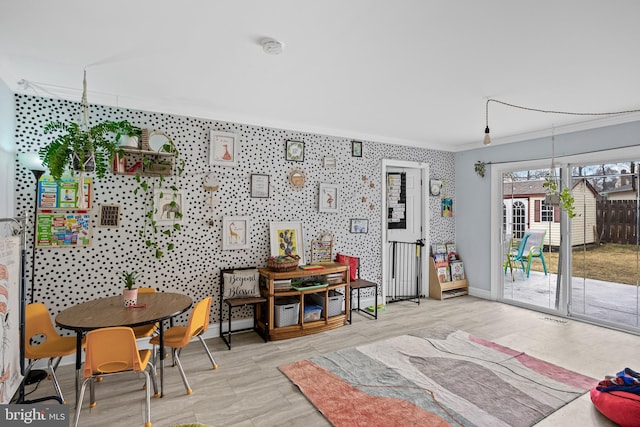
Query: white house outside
{"points": [[524, 208]]}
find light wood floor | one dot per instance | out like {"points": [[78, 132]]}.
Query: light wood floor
{"points": [[248, 390]]}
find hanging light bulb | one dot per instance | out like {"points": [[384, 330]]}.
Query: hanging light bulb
{"points": [[487, 138]]}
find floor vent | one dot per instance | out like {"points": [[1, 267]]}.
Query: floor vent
{"points": [[551, 319]]}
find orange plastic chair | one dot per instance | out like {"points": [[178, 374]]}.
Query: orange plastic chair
{"points": [[113, 351], [178, 337], [144, 331], [54, 347]]}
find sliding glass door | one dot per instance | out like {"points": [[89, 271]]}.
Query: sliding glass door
{"points": [[605, 249], [587, 268], [531, 230]]}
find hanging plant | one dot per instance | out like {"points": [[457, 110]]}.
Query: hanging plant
{"points": [[480, 168], [81, 150], [564, 199], [158, 239]]}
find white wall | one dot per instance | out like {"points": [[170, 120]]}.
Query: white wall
{"points": [[473, 193], [7, 151]]}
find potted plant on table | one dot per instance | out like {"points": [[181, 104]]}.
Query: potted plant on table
{"points": [[130, 293]]}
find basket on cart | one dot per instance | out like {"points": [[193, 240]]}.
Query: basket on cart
{"points": [[283, 263]]}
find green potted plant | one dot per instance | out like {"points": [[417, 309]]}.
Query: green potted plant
{"points": [[149, 177], [480, 168], [562, 198], [129, 135], [84, 150], [130, 292]]}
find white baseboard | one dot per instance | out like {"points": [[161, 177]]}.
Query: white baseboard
{"points": [[480, 293]]}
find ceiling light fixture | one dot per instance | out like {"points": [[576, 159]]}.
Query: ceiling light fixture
{"points": [[271, 46], [487, 137]]}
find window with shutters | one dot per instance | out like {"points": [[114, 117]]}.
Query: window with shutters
{"points": [[546, 212]]}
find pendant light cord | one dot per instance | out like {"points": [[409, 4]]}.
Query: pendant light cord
{"points": [[571, 113]]}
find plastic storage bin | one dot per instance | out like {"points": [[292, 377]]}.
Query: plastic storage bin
{"points": [[336, 302], [312, 312], [286, 313]]}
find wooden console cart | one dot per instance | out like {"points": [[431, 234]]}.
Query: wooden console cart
{"points": [[443, 290], [266, 320]]}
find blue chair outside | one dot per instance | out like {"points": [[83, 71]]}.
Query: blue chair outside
{"points": [[517, 256], [534, 249]]}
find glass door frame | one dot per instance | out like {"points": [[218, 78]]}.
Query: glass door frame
{"points": [[564, 163], [497, 231]]}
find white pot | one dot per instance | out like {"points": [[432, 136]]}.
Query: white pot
{"points": [[130, 297], [128, 141]]}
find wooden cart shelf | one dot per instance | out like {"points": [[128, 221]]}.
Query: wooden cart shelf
{"points": [[266, 319]]}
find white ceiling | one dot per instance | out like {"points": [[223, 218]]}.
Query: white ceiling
{"points": [[414, 72]]}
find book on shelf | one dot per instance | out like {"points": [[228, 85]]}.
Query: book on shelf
{"points": [[438, 258], [282, 284], [443, 274], [452, 253], [457, 270], [312, 267], [438, 248]]}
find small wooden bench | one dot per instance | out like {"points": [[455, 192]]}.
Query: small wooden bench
{"points": [[236, 303], [358, 285]]}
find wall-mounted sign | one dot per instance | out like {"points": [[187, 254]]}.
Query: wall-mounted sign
{"points": [[63, 230], [397, 200], [62, 194]]}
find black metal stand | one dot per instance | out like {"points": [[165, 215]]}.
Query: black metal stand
{"points": [[35, 375]]}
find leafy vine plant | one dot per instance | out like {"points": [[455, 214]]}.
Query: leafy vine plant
{"points": [[566, 199], [159, 240]]}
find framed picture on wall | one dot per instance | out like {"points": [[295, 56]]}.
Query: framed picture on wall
{"points": [[224, 148], [294, 151], [235, 232], [287, 238], [447, 207], [260, 185], [329, 162], [169, 206], [328, 198], [435, 185], [359, 225], [356, 148]]}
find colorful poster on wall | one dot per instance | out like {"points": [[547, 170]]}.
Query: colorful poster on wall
{"points": [[63, 230], [10, 376], [447, 207], [63, 194]]}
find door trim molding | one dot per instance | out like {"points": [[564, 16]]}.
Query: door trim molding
{"points": [[424, 176]]}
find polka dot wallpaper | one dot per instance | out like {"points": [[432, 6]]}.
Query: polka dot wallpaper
{"points": [[67, 276]]}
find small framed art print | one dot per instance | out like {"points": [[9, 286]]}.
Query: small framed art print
{"points": [[224, 148], [294, 151], [235, 232], [328, 198], [287, 238], [169, 206], [260, 185], [358, 225], [356, 148]]}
